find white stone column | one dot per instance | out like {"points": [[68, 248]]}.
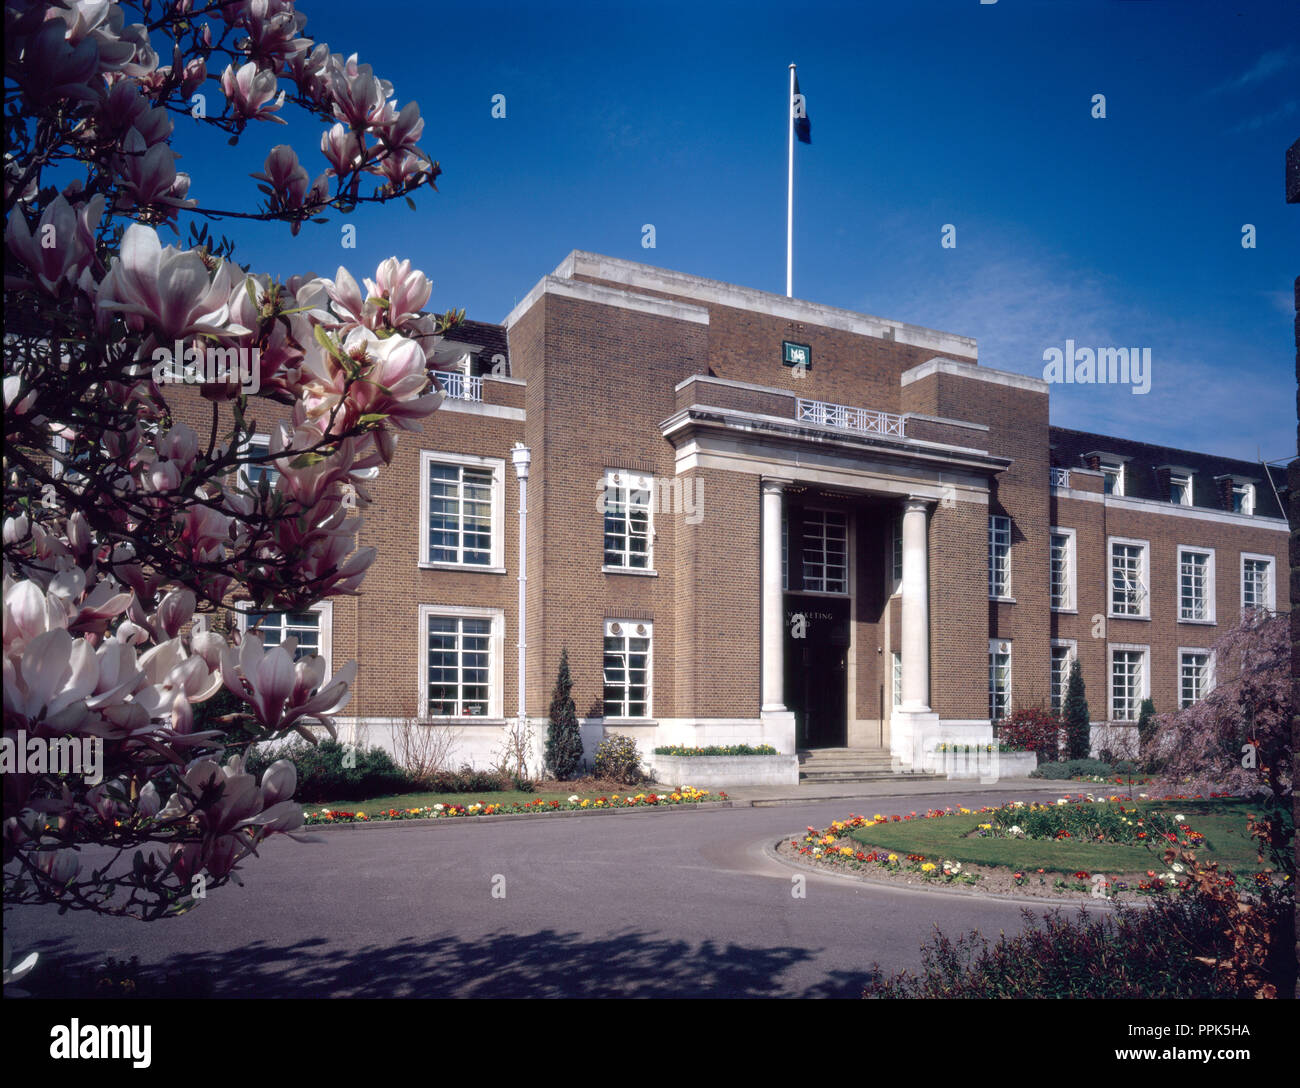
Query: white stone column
{"points": [[916, 608], [773, 599]]}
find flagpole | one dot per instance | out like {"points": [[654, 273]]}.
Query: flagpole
{"points": [[789, 201]]}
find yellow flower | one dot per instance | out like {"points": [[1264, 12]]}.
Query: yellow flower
{"points": [[847, 851], [928, 867], [893, 857], [584, 803]]}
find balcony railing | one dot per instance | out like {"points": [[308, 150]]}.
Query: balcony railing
{"points": [[459, 386], [850, 419], [1060, 477]]}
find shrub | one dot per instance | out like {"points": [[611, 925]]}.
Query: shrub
{"points": [[563, 737], [1074, 711], [1072, 768], [466, 780], [1032, 730], [330, 771], [1147, 723], [1164, 951], [617, 757]]}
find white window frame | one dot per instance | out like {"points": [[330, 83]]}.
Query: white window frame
{"points": [[1144, 578], [998, 646], [996, 523], [848, 553], [785, 552], [256, 444], [633, 483], [895, 574], [1187, 481], [497, 465], [895, 679], [1071, 596], [1248, 498], [496, 658], [1207, 675], [1144, 679], [1208, 553], [625, 629], [324, 609], [1115, 467], [1271, 593], [1071, 646]]}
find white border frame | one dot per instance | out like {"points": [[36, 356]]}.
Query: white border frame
{"points": [[496, 660], [649, 625], [325, 609], [1272, 579], [610, 480], [1071, 644], [1072, 562], [995, 646], [1009, 595], [1211, 671], [497, 562], [1145, 545], [1211, 605], [1144, 688]]}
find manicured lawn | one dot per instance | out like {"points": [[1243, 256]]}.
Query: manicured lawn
{"points": [[428, 800], [1223, 822]]}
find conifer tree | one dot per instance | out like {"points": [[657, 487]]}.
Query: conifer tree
{"points": [[563, 737]]}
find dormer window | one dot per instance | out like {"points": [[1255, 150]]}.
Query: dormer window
{"points": [[1180, 488], [1243, 498], [1113, 473]]}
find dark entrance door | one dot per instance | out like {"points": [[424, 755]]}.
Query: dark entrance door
{"points": [[816, 669]]}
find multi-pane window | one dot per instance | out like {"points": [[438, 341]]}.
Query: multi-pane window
{"points": [[896, 678], [627, 520], [1062, 570], [1243, 498], [825, 552], [1127, 676], [277, 627], [627, 668], [785, 552], [999, 679], [459, 665], [1128, 578], [460, 514], [251, 475], [1180, 489], [896, 557], [1193, 676], [1257, 582], [1195, 585], [1113, 477], [999, 556], [1062, 656]]}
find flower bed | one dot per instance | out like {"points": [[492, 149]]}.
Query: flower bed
{"points": [[685, 796], [717, 750], [748, 769], [847, 845]]}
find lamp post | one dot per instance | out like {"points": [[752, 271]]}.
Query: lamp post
{"points": [[521, 456]]}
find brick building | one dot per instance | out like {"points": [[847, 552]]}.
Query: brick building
{"points": [[759, 519]]}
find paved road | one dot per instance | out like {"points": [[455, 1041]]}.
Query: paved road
{"points": [[659, 904]]}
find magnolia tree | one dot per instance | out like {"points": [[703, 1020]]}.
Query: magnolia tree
{"points": [[1238, 738], [128, 528]]}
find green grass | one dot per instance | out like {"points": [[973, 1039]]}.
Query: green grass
{"points": [[428, 800], [1223, 823]]}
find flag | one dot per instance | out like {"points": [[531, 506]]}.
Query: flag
{"points": [[802, 125]]}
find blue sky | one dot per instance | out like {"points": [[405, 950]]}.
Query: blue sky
{"points": [[1121, 231]]}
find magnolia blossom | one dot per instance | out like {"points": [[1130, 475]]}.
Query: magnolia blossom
{"points": [[251, 92], [63, 245]]}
